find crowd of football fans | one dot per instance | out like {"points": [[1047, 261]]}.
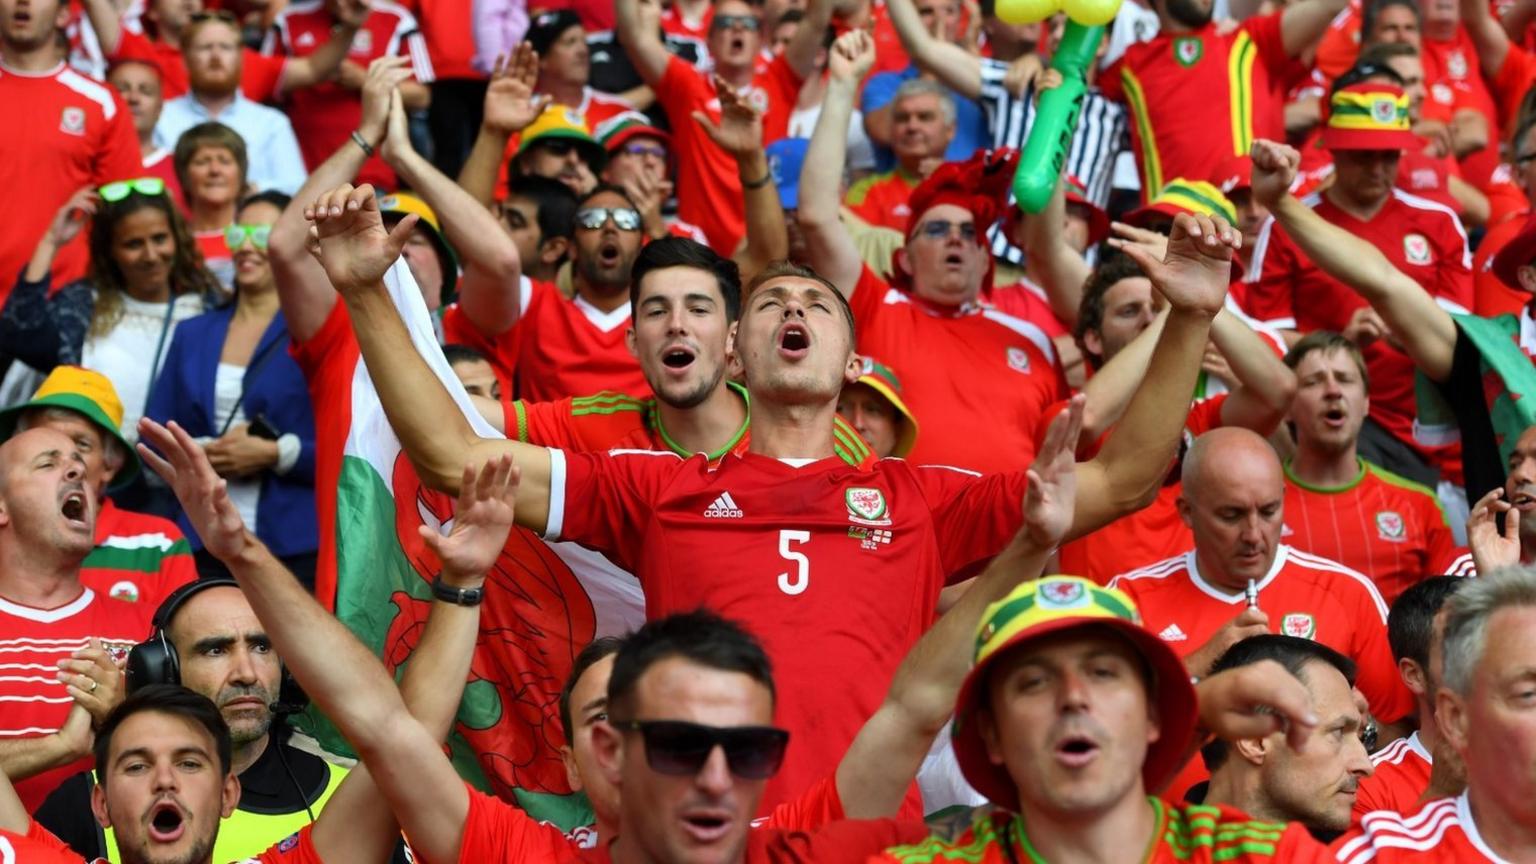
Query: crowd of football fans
{"points": [[653, 431]]}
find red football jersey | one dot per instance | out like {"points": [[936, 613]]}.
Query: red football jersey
{"points": [[1010, 367], [849, 840], [39, 846], [139, 558], [1399, 776], [324, 115], [328, 359], [1490, 296], [568, 347], [1302, 594], [1385, 526], [708, 188], [1027, 301], [1421, 238], [1199, 99], [612, 421], [496, 831], [32, 642], [836, 565], [881, 199], [1443, 830], [64, 132]]}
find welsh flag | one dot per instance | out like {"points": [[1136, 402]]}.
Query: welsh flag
{"points": [[538, 613]]}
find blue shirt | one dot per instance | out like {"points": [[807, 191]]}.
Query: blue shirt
{"points": [[270, 145], [970, 124]]}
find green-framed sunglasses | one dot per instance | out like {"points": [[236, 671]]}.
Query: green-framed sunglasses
{"points": [[235, 236], [117, 191]]}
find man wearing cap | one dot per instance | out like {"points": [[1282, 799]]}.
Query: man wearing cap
{"points": [[1071, 720], [928, 323], [874, 407], [558, 145], [1368, 128], [922, 125], [640, 163], [139, 558]]}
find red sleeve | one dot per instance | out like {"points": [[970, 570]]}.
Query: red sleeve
{"points": [[1266, 35], [312, 352], [296, 848], [1515, 77], [132, 45], [1298, 846], [846, 840], [605, 420], [1270, 278], [868, 297], [496, 831], [118, 156], [261, 76], [1453, 272], [1368, 799], [1377, 678], [1205, 415], [974, 515], [820, 805], [628, 482]]}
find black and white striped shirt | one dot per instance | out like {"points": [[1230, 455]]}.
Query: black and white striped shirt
{"points": [[1100, 137]]}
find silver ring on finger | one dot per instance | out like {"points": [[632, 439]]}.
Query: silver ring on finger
{"points": [[94, 685]]}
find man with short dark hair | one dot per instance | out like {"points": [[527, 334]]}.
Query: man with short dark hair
{"points": [[1267, 779], [540, 214]]}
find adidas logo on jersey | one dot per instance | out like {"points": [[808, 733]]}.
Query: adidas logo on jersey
{"points": [[723, 507], [1172, 633]]}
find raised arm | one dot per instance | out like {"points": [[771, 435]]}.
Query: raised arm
{"points": [[801, 51], [302, 287], [107, 22], [832, 252], [1130, 468], [322, 64], [356, 252], [510, 105], [1427, 332], [1059, 268], [488, 291], [1265, 385], [959, 69], [1487, 34], [639, 29], [740, 133], [340, 674], [1303, 24], [874, 774]]}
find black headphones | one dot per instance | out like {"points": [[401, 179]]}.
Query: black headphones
{"points": [[155, 661]]}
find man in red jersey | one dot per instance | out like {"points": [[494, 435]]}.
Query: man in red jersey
{"points": [[1233, 501], [64, 132], [922, 125], [709, 190], [847, 513], [1074, 714], [1416, 629], [1367, 131], [139, 558], [927, 321], [1342, 507], [1199, 94], [1489, 655], [48, 619]]}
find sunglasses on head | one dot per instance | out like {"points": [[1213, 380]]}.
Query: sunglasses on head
{"points": [[940, 228], [235, 236], [118, 190], [624, 218], [680, 749], [726, 22]]}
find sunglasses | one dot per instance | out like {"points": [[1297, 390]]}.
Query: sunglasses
{"points": [[559, 147], [726, 22], [624, 218], [645, 150], [118, 190], [236, 235], [680, 749], [939, 229]]}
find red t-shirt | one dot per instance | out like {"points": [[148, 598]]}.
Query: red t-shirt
{"points": [[1399, 775], [38, 846], [837, 564], [1303, 595], [709, 190], [1385, 526], [324, 115], [1490, 296], [1010, 367], [329, 359], [1422, 239], [568, 347], [162, 164], [848, 840], [1443, 830], [261, 76], [881, 199], [1453, 65], [607, 421], [1027, 301], [1199, 99], [448, 26], [139, 558], [30, 638], [64, 132]]}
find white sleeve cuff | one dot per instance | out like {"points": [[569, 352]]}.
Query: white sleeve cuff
{"points": [[557, 474], [288, 449]]}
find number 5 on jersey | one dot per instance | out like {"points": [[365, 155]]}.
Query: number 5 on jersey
{"points": [[795, 582]]}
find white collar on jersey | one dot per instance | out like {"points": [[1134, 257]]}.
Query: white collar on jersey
{"points": [[48, 616], [1282, 554]]}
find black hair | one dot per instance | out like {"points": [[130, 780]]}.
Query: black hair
{"points": [[600, 189], [1371, 11], [1362, 71], [1289, 651], [171, 699], [277, 199], [682, 252], [597, 649], [1411, 623], [783, 268], [554, 203], [455, 353], [700, 637], [1113, 268]]}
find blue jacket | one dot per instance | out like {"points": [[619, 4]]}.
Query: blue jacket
{"points": [[285, 516]]}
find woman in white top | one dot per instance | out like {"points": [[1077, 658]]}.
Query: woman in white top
{"points": [[145, 277]]}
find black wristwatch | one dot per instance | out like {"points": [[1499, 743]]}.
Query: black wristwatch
{"points": [[458, 596]]}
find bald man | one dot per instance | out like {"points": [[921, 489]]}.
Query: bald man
{"points": [[1233, 502], [48, 619]]}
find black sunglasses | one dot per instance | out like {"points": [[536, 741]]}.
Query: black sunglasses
{"points": [[680, 748], [726, 22]]}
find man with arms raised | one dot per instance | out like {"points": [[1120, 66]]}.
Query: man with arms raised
{"points": [[851, 515]]}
